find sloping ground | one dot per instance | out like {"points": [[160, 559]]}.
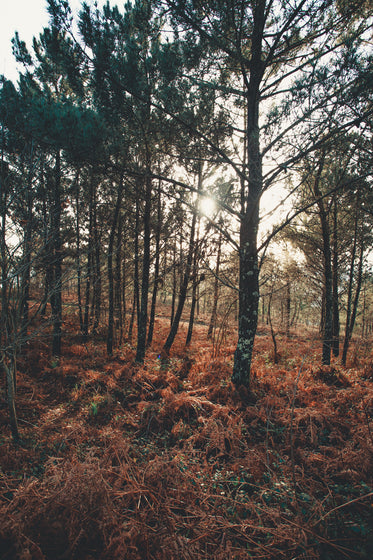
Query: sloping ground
{"points": [[166, 461]]}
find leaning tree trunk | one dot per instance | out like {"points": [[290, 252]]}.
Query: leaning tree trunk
{"points": [[352, 306], [183, 290], [194, 290]]}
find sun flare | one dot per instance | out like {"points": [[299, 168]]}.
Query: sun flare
{"points": [[207, 206]]}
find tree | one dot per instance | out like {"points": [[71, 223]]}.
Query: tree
{"points": [[266, 45]]}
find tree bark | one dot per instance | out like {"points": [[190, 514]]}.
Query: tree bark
{"points": [[248, 256], [156, 267], [183, 289], [143, 315], [110, 333], [216, 289], [335, 275], [56, 287], [194, 289], [328, 275]]}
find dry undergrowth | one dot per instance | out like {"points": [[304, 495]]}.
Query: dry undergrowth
{"points": [[166, 461]]}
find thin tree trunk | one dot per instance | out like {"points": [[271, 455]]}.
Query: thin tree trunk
{"points": [[110, 333], [118, 281], [352, 306], [156, 267], [173, 300], [97, 286], [328, 276], [78, 261], [10, 368], [335, 274], [136, 295], [26, 258], [194, 289], [183, 289], [89, 263], [288, 307], [143, 315], [56, 287], [216, 289]]}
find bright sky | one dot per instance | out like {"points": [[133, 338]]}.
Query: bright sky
{"points": [[28, 17]]}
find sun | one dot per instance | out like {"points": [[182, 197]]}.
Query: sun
{"points": [[207, 206]]}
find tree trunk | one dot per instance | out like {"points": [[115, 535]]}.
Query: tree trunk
{"points": [[110, 333], [78, 261], [136, 295], [89, 263], [10, 369], [288, 307], [174, 281], [183, 289], [143, 315], [97, 286], [156, 267], [216, 289], [249, 270], [328, 276], [26, 259], [118, 281], [194, 289], [352, 306], [56, 287], [335, 275]]}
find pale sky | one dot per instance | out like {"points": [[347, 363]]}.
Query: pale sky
{"points": [[28, 17]]}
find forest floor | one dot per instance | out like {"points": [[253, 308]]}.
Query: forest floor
{"points": [[166, 461]]}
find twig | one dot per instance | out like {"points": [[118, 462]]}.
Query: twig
{"points": [[358, 499]]}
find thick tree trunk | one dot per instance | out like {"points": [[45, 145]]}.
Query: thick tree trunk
{"points": [[249, 270]]}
